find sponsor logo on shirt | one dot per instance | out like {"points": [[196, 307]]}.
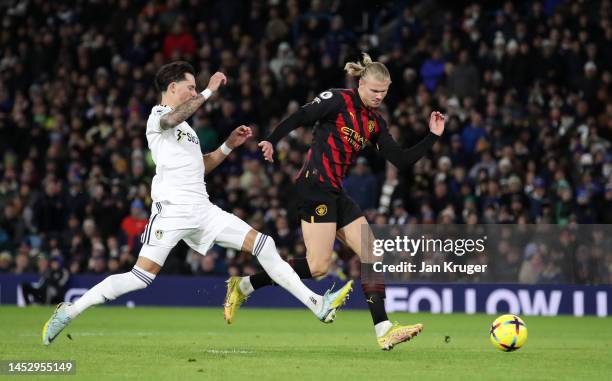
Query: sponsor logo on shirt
{"points": [[180, 135], [353, 137]]}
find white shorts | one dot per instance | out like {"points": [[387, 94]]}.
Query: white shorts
{"points": [[200, 226]]}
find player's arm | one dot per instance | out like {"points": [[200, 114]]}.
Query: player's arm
{"points": [[186, 109], [403, 158], [307, 115], [236, 139]]}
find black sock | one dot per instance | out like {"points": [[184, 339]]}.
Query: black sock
{"points": [[260, 280], [376, 304], [300, 265], [373, 286]]}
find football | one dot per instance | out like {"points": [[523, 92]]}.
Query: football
{"points": [[508, 333]]}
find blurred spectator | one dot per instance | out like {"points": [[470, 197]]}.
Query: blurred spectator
{"points": [[399, 214], [134, 224], [179, 44], [254, 176], [6, 262], [432, 70], [51, 287], [464, 80], [284, 59], [474, 135]]}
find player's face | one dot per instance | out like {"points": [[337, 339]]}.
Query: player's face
{"points": [[185, 89], [373, 91]]}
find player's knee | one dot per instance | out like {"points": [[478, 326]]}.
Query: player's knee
{"points": [[145, 277], [318, 266], [150, 258], [264, 246]]}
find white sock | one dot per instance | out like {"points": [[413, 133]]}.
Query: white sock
{"points": [[110, 289], [245, 285], [382, 327], [283, 274]]}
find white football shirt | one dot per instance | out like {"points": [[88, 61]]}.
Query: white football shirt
{"points": [[179, 167]]}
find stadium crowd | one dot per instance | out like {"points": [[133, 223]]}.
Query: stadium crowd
{"points": [[525, 86]]}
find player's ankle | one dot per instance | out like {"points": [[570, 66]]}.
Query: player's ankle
{"points": [[317, 300], [382, 328], [72, 312], [245, 286]]}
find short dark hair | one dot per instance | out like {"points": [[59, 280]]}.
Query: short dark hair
{"points": [[172, 72]]}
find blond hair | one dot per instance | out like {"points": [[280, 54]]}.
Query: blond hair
{"points": [[367, 67]]}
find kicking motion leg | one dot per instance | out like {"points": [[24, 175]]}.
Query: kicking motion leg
{"points": [[280, 272], [111, 288], [319, 241]]}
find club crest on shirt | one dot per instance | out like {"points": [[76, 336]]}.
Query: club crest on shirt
{"points": [[159, 234], [371, 125], [321, 210]]}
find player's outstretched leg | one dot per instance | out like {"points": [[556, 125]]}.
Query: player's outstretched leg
{"points": [[109, 289], [331, 300], [264, 248], [240, 288]]}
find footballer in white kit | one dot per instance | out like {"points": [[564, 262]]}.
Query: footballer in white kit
{"points": [[182, 210]]}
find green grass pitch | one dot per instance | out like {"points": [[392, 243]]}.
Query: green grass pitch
{"points": [[115, 343]]}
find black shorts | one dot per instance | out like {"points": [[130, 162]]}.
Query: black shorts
{"points": [[318, 202]]}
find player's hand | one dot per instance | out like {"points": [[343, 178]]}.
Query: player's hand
{"points": [[239, 136], [267, 150], [216, 80], [436, 123]]}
